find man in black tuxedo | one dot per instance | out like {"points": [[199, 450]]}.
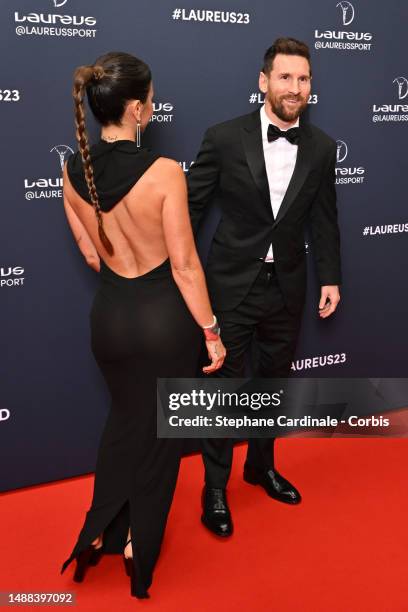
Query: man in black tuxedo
{"points": [[270, 174]]}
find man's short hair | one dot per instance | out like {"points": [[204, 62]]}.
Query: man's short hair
{"points": [[286, 46]]}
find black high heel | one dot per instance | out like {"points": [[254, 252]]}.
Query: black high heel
{"points": [[89, 556], [135, 588], [96, 555]]}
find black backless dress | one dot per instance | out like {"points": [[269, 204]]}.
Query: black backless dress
{"points": [[141, 330]]}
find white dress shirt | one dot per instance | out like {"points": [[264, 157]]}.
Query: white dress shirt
{"points": [[280, 159]]}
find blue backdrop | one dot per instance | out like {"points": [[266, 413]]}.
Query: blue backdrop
{"points": [[205, 58]]}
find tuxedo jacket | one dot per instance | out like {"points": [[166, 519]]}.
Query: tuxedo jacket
{"points": [[230, 171]]}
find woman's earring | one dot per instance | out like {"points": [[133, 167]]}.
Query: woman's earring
{"points": [[138, 135]]}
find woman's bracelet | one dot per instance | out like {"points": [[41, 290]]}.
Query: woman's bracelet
{"points": [[212, 332]]}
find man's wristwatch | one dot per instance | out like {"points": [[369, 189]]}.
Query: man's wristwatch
{"points": [[212, 332]]}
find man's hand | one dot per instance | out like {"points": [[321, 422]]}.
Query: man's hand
{"points": [[329, 298]]}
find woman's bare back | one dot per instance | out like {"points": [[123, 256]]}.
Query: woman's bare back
{"points": [[146, 219], [134, 225]]}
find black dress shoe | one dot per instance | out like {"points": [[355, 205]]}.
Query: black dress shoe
{"points": [[216, 514], [274, 484]]}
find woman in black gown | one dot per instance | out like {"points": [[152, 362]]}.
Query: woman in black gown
{"points": [[127, 208]]}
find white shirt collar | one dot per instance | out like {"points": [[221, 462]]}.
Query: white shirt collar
{"points": [[265, 121]]}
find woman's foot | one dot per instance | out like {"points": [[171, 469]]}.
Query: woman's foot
{"points": [[136, 588], [98, 542], [91, 555], [128, 552]]}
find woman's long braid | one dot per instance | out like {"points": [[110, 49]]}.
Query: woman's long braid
{"points": [[83, 75]]}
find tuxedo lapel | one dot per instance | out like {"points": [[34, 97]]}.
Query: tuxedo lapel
{"points": [[300, 172], [252, 142]]}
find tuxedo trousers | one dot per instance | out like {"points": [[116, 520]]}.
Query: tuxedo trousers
{"points": [[261, 317]]}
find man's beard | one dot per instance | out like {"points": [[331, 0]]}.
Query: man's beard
{"points": [[284, 112]]}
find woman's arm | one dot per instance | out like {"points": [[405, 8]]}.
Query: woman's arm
{"points": [[185, 263], [83, 240]]}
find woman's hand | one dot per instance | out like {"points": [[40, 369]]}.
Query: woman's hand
{"points": [[216, 352]]}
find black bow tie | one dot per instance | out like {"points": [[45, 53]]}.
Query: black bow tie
{"points": [[292, 134]]}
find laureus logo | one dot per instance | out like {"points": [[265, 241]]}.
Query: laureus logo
{"points": [[402, 83], [11, 276], [37, 24], [62, 151], [393, 112], [344, 38], [162, 112], [347, 175], [342, 151], [347, 11]]}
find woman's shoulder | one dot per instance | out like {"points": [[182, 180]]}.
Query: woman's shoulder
{"points": [[167, 174], [169, 165], [165, 177]]}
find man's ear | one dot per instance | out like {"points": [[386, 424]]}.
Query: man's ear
{"points": [[263, 82]]}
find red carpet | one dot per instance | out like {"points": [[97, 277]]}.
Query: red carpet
{"points": [[343, 549]]}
